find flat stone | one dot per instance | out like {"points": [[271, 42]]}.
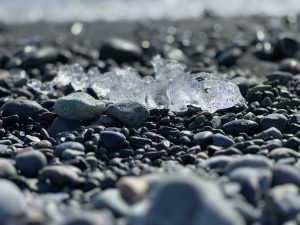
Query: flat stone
{"points": [[78, 106], [59, 149]]}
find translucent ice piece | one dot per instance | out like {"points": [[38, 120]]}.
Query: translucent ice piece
{"points": [[171, 87]]}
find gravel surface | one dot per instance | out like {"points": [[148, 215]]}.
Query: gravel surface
{"points": [[72, 157]]}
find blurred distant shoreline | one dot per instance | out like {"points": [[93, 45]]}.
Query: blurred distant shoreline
{"points": [[62, 11]]}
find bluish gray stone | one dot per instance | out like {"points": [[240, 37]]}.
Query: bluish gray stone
{"points": [[254, 182], [59, 149], [78, 106], [111, 199], [255, 161], [278, 121], [30, 163], [12, 201], [222, 141], [181, 200], [130, 113]]}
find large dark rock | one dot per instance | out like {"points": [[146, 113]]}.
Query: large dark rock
{"points": [[22, 108]]}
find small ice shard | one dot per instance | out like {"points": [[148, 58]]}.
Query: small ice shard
{"points": [[172, 87]]}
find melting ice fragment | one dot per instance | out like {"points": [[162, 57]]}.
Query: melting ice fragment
{"points": [[172, 87]]}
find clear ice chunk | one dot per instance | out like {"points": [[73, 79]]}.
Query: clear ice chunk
{"points": [[171, 87]]}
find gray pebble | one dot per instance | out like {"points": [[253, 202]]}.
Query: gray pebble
{"points": [[130, 113], [78, 106], [30, 163]]}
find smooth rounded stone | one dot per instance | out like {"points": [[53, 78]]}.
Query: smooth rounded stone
{"points": [[187, 199], [78, 106], [22, 108], [130, 113], [254, 161], [293, 142], [286, 46], [139, 142], [90, 218], [285, 174], [111, 199], [229, 57], [242, 83], [247, 211], [61, 125], [278, 121], [30, 163], [222, 141], [39, 57], [203, 138], [112, 140], [282, 203], [216, 162], [59, 149], [290, 65], [281, 153], [60, 175], [121, 50], [238, 126], [132, 189], [254, 182], [71, 154], [30, 139], [42, 144], [272, 144], [269, 134], [12, 201], [7, 169]]}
